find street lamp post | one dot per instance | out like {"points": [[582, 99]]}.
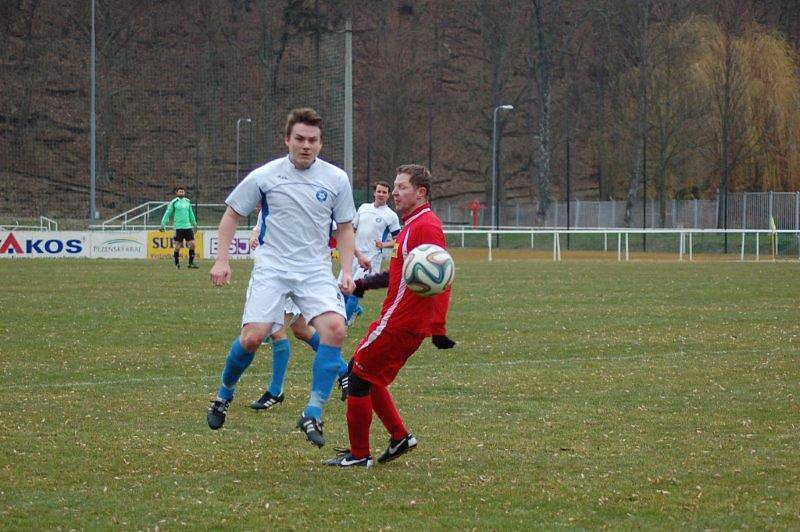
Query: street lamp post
{"points": [[495, 209], [238, 122]]}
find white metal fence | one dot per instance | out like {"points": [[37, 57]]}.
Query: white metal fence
{"points": [[745, 210], [744, 244], [45, 224]]}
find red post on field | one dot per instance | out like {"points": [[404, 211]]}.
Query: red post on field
{"points": [[474, 207]]}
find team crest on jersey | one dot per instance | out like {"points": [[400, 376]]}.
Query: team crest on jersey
{"points": [[322, 195], [378, 220]]}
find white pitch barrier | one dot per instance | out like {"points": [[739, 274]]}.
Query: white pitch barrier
{"points": [[685, 238]]}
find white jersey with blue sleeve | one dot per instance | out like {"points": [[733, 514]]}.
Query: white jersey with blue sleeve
{"points": [[297, 207], [374, 224]]}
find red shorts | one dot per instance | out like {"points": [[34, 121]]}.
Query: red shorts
{"points": [[379, 357]]}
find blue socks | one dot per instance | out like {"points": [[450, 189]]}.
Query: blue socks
{"points": [[351, 308], [327, 366], [281, 352], [235, 363], [313, 342]]}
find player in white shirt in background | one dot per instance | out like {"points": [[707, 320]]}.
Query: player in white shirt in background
{"points": [[376, 225], [299, 195]]}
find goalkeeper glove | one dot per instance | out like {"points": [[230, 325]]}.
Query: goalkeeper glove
{"points": [[441, 341]]}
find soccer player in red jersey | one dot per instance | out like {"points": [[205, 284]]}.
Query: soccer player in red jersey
{"points": [[406, 319]]}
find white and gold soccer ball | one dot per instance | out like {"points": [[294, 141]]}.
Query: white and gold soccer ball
{"points": [[428, 270]]}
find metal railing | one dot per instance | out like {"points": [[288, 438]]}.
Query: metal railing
{"points": [[140, 212], [45, 224], [782, 243], [147, 216], [745, 210]]}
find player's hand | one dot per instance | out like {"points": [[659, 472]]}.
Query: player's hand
{"points": [[253, 243], [346, 285], [359, 291], [364, 262], [379, 244], [442, 341], [220, 273]]}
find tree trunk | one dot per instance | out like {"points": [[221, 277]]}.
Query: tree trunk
{"points": [[541, 71], [661, 183], [641, 118]]}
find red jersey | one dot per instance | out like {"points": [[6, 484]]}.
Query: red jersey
{"points": [[402, 307]]}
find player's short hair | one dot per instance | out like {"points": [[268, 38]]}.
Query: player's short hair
{"points": [[180, 187], [381, 184], [303, 115], [419, 176]]}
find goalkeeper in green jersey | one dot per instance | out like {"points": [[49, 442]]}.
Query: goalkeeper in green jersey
{"points": [[185, 223]]}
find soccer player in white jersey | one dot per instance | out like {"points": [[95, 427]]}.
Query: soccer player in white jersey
{"points": [[376, 225], [299, 195], [282, 349]]}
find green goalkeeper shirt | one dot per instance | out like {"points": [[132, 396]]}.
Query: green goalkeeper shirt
{"points": [[184, 215]]}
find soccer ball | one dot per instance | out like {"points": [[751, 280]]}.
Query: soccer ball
{"points": [[428, 270]]}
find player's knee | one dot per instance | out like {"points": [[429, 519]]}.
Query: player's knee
{"points": [[334, 332], [303, 332], [250, 340], [358, 387]]}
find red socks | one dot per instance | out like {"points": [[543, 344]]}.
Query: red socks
{"points": [[359, 419], [383, 405]]}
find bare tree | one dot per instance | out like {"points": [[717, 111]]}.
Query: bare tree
{"points": [[484, 37], [116, 29], [540, 65], [640, 124], [674, 106]]}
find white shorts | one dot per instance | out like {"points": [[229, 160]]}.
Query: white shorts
{"points": [[311, 293], [292, 309], [359, 273]]}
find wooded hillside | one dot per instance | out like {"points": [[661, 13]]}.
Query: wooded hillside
{"points": [[696, 95]]}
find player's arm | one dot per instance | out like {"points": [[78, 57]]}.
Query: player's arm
{"points": [[346, 244], [371, 282], [362, 259], [431, 234], [389, 242], [221, 271], [192, 217], [167, 214], [393, 229], [256, 231], [441, 305]]}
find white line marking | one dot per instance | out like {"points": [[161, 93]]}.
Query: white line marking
{"points": [[532, 361]]}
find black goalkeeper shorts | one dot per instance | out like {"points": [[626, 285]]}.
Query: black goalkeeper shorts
{"points": [[184, 234]]}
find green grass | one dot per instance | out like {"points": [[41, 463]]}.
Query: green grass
{"points": [[581, 394]]}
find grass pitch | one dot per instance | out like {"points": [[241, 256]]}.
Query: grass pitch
{"points": [[581, 394]]}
